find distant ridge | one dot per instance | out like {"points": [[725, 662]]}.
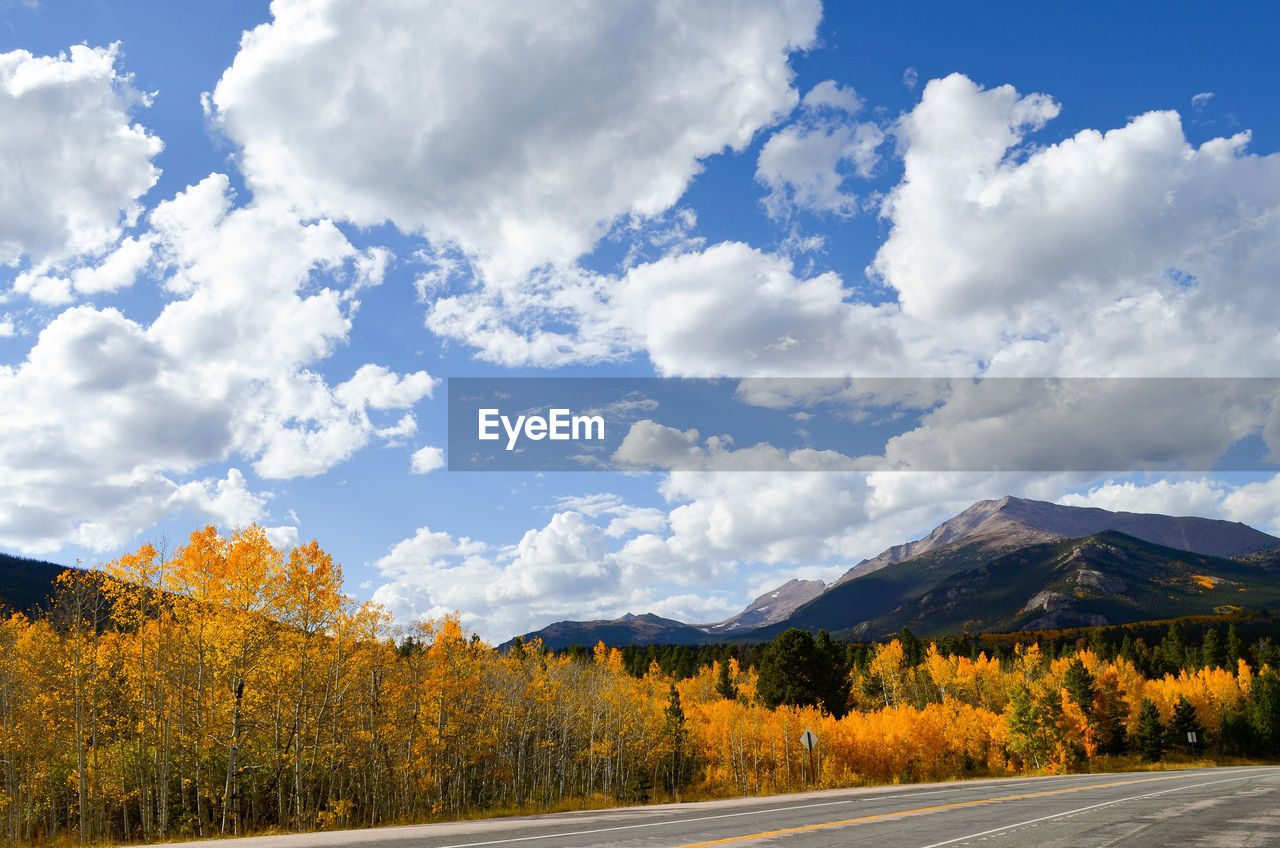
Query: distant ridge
{"points": [[647, 629]]}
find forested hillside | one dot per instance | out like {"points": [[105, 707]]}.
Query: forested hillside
{"points": [[26, 585], [235, 689]]}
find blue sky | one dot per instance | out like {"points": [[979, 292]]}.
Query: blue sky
{"points": [[236, 270]]}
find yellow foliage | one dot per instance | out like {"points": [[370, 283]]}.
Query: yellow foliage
{"points": [[236, 688]]}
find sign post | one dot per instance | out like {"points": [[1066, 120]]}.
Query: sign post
{"points": [[809, 740]]}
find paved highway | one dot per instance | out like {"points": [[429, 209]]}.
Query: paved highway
{"points": [[1213, 808]]}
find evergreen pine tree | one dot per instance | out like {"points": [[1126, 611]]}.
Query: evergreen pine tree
{"points": [[1078, 681], [1127, 650], [1150, 739], [1171, 654], [677, 741], [1112, 714], [1183, 722], [1212, 652], [1268, 653], [912, 647], [1263, 713], [1234, 648], [725, 687], [832, 675], [789, 671], [1100, 644]]}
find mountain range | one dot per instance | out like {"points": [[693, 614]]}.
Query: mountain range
{"points": [[1000, 565]]}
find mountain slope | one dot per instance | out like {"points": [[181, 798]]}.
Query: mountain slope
{"points": [[1106, 578], [27, 585], [1011, 523], [1206, 536], [769, 608]]}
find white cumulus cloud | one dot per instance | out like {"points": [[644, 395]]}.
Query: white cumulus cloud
{"points": [[1124, 252], [72, 161], [107, 415], [427, 459], [561, 570], [806, 164], [1253, 503], [734, 310], [518, 133]]}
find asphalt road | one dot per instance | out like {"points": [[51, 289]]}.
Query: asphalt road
{"points": [[1227, 807]]}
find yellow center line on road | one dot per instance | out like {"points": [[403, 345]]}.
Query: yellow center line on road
{"points": [[952, 806]]}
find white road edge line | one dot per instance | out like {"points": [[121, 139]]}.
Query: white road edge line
{"points": [[1013, 784], [1083, 809]]}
